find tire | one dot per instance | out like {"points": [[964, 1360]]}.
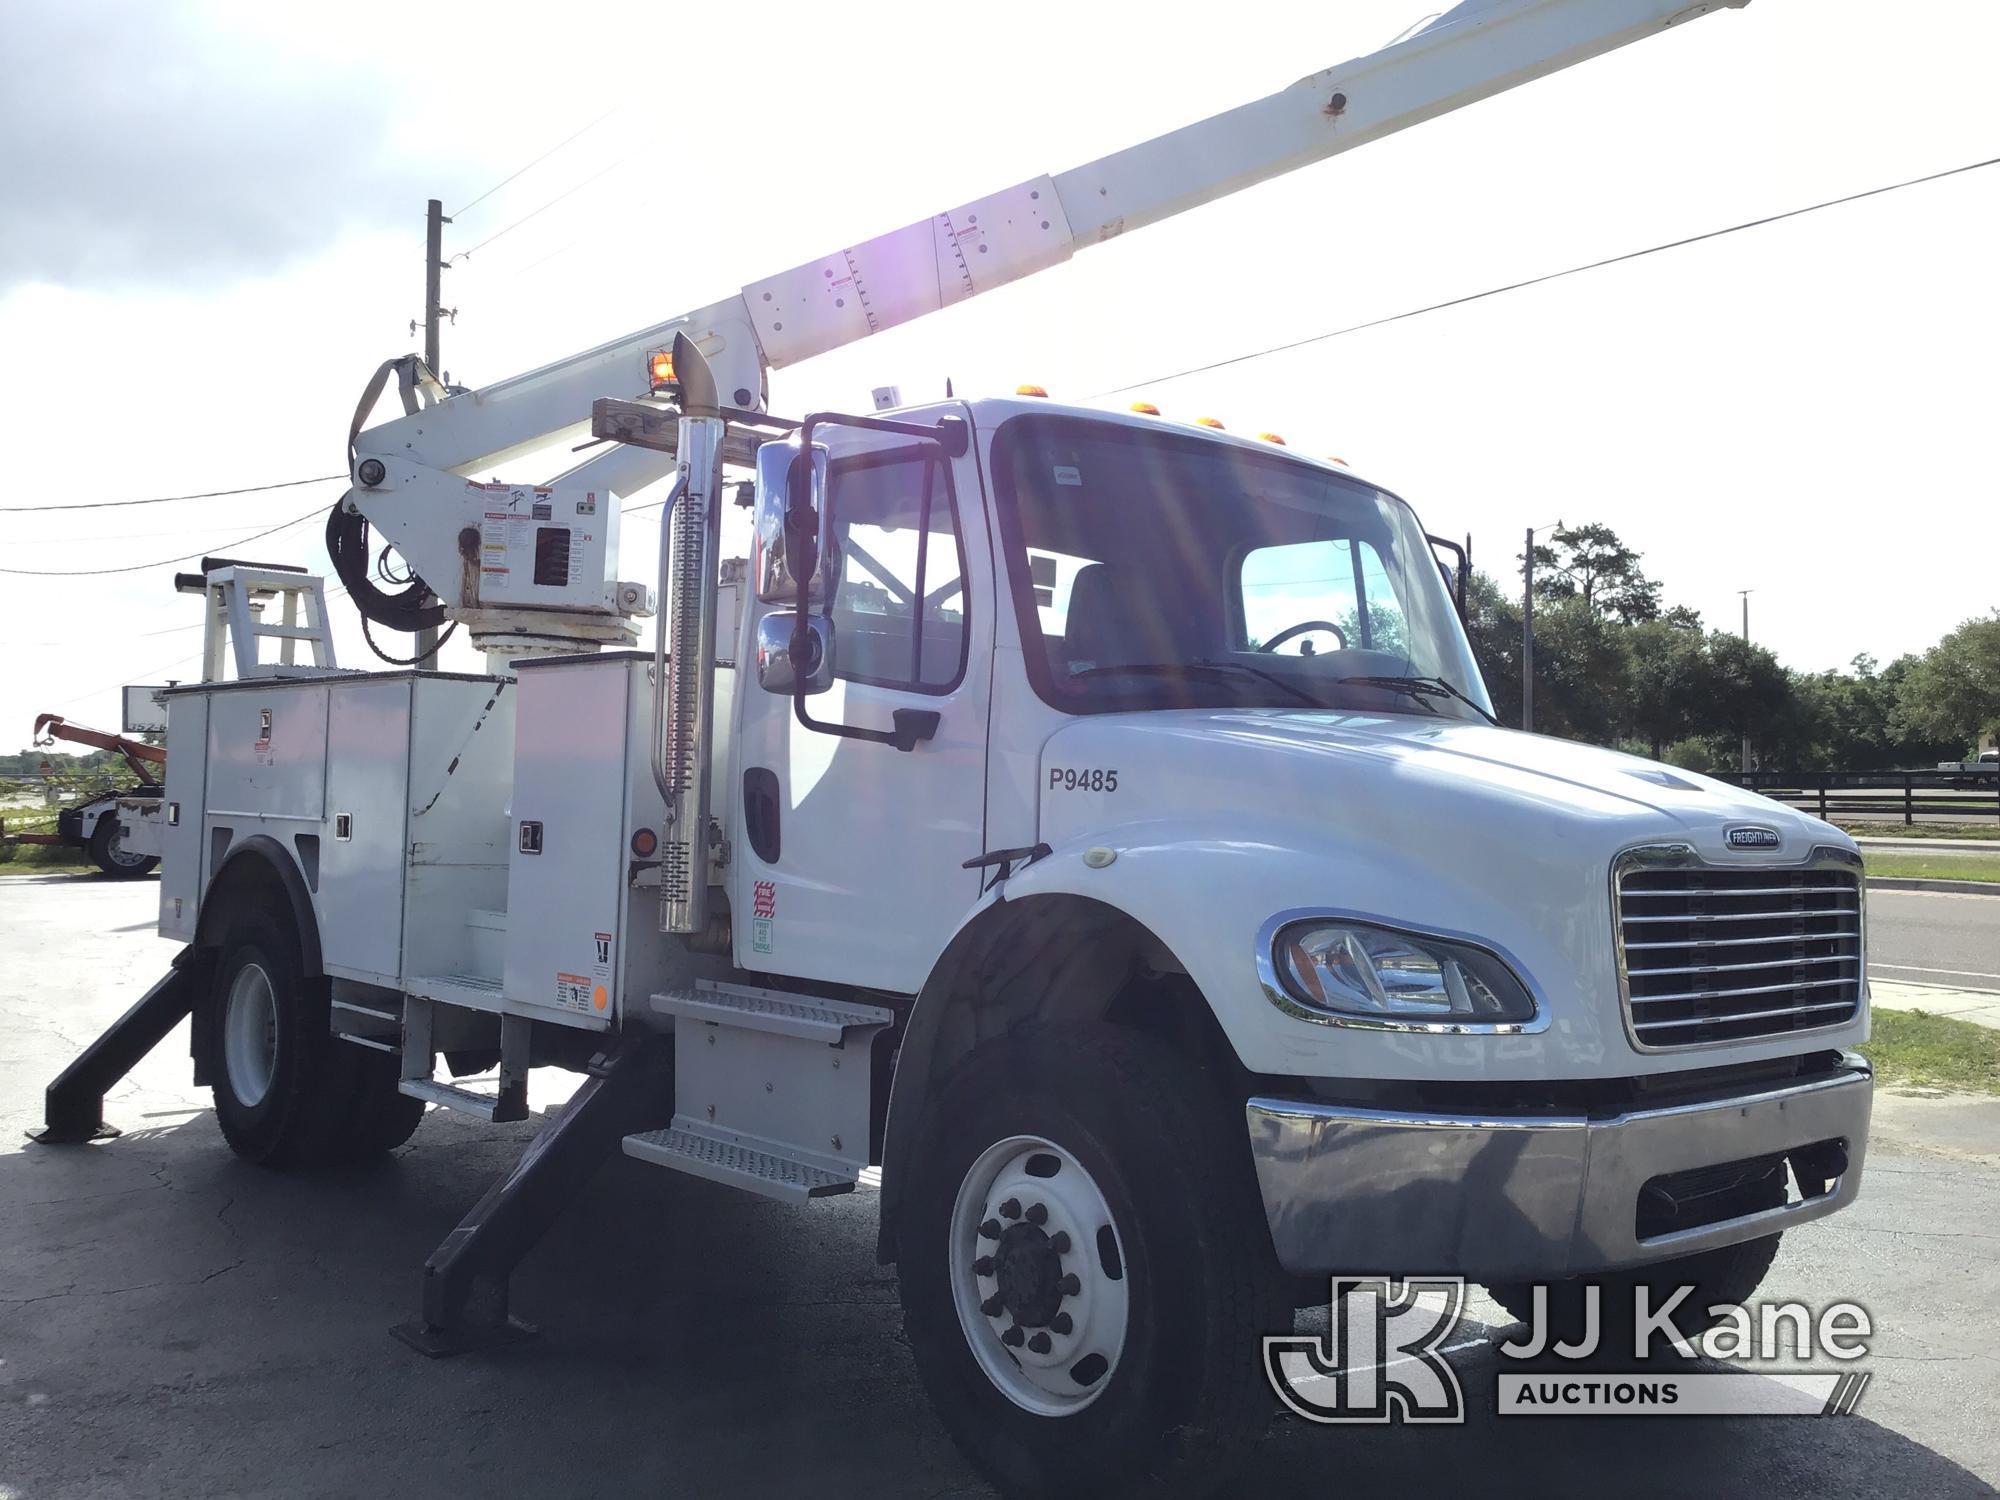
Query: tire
{"points": [[106, 854], [1730, 1274], [288, 1093], [1183, 1396]]}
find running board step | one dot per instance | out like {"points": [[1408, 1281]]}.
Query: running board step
{"points": [[702, 1153], [498, 1109], [771, 1090], [777, 1012]]}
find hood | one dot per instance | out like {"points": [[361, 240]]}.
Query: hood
{"points": [[1397, 774]]}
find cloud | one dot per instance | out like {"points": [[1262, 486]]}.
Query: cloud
{"points": [[140, 147]]}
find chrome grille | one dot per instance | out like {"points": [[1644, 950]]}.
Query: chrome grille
{"points": [[1710, 954]]}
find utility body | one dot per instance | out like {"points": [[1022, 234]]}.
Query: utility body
{"points": [[1094, 820]]}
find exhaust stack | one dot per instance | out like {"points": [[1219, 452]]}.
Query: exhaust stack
{"points": [[684, 653]]}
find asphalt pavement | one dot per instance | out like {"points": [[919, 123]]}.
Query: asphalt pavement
{"points": [[173, 1322], [1935, 938]]}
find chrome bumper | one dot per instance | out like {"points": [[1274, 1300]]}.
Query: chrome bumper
{"points": [[1529, 1197]]}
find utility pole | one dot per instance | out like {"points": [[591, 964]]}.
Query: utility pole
{"points": [[1746, 593], [1528, 634], [434, 222]]}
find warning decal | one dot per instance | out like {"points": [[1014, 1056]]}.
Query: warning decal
{"points": [[573, 991]]}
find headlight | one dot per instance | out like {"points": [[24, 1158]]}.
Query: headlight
{"points": [[1360, 970]]}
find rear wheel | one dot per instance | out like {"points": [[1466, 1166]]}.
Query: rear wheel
{"points": [[1085, 1268], [109, 854], [287, 1091]]}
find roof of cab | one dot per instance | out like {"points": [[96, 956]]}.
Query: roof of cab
{"points": [[990, 411]]}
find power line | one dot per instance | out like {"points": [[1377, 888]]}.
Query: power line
{"points": [[253, 489], [530, 166], [570, 192], [160, 562], [1515, 286]]}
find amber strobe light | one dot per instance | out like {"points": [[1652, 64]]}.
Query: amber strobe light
{"points": [[660, 369]]}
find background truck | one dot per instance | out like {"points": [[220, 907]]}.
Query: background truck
{"points": [[1093, 820], [96, 824]]}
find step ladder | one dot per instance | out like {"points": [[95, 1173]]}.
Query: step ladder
{"points": [[242, 602], [508, 1103], [771, 1090]]}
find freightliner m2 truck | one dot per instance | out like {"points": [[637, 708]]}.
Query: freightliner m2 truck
{"points": [[1094, 821]]}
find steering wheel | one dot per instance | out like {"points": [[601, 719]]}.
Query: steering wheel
{"points": [[1300, 629]]}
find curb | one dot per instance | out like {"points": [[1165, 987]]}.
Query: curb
{"points": [[1955, 887]]}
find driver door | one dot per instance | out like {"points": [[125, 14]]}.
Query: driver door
{"points": [[850, 863]]}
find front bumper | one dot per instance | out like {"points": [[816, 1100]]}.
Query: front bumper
{"points": [[1536, 1197]]}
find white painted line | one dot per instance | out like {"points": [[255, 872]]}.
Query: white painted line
{"points": [[1913, 969]]}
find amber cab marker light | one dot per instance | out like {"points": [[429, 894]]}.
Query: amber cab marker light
{"points": [[1271, 437], [1209, 422], [1145, 408], [1030, 390]]}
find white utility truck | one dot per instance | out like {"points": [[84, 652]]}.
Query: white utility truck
{"points": [[1092, 819]]}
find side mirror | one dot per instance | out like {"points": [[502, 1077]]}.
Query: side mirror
{"points": [[794, 534], [789, 653]]}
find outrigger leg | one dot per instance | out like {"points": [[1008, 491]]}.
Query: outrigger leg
{"points": [[74, 1110], [466, 1278]]}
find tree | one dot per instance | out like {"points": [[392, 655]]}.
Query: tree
{"points": [[1952, 692], [1668, 679], [1590, 563]]}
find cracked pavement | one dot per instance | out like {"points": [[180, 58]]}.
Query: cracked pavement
{"points": [[173, 1322]]}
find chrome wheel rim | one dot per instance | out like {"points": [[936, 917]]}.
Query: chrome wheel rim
{"points": [[118, 854], [250, 1035], [1038, 1276]]}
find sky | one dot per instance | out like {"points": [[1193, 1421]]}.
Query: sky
{"points": [[211, 233]]}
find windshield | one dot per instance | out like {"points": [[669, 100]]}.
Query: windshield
{"points": [[1163, 570]]}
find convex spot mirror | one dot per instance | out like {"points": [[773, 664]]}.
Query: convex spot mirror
{"points": [[790, 654], [794, 534]]}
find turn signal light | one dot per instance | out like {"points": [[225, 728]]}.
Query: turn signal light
{"points": [[660, 368], [1030, 390], [1209, 422], [645, 842]]}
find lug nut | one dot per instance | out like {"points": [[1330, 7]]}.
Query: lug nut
{"points": [[1037, 1214], [1011, 1209], [993, 1306], [1069, 1286], [990, 1229], [1062, 1323], [1013, 1337], [983, 1266], [1039, 1344], [1059, 1242]]}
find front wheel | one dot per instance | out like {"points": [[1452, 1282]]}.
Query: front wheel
{"points": [[1085, 1268]]}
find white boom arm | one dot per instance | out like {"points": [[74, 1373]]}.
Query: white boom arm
{"points": [[1477, 49]]}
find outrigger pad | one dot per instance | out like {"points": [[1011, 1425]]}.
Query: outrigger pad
{"points": [[73, 1111]]}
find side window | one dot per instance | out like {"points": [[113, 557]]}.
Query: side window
{"points": [[1341, 581], [899, 615]]}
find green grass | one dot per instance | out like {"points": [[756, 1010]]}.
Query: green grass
{"points": [[1983, 832], [1901, 866], [1915, 1047]]}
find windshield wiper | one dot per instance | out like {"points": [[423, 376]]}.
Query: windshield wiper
{"points": [[1421, 687], [1228, 671]]}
